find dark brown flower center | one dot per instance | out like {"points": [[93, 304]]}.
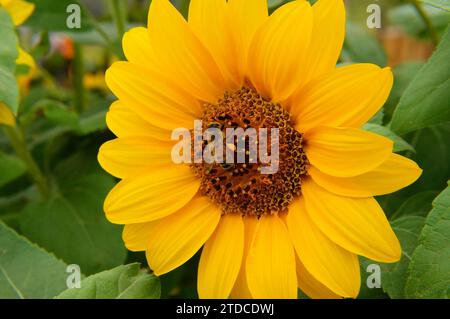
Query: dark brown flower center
{"points": [[242, 188]]}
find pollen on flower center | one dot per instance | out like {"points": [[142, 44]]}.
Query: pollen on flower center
{"points": [[241, 188]]}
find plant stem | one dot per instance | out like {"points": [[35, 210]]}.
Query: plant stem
{"points": [[97, 27], [17, 140], [426, 19], [78, 73], [118, 13]]}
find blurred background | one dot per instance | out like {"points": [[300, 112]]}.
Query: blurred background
{"points": [[62, 124]]}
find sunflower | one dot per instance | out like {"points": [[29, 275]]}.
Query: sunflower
{"points": [[19, 11], [263, 236]]}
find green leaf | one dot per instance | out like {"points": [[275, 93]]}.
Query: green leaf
{"points": [[56, 112], [417, 205], [27, 271], [123, 282], [433, 156], [9, 91], [429, 270], [51, 15], [275, 3], [365, 292], [75, 218], [54, 118], [11, 167], [393, 278], [441, 4], [425, 101], [403, 75], [399, 143], [378, 118], [409, 19], [361, 46], [94, 119]]}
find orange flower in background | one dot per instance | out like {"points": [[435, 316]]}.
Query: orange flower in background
{"points": [[63, 45], [232, 65]]}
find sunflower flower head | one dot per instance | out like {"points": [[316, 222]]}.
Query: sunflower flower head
{"points": [[231, 66]]}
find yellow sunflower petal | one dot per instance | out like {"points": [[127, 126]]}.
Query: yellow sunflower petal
{"points": [[6, 116], [347, 97], [137, 48], [311, 286], [394, 174], [208, 20], [176, 238], [271, 261], [346, 152], [328, 38], [279, 46], [18, 10], [25, 58], [333, 266], [135, 236], [133, 156], [123, 122], [356, 224], [181, 54], [227, 29], [221, 258], [151, 196], [157, 100], [244, 19], [240, 289]]}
